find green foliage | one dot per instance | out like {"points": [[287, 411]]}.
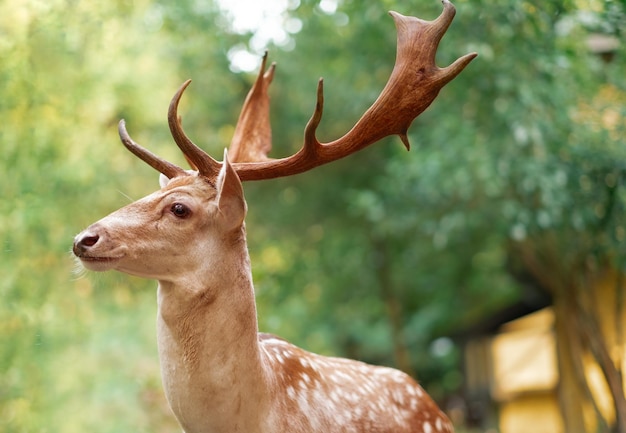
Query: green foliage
{"points": [[76, 353], [383, 249], [527, 142]]}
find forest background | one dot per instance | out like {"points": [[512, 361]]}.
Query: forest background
{"points": [[385, 256]]}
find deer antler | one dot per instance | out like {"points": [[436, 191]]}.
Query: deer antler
{"points": [[159, 164], [414, 83], [252, 140], [197, 157]]}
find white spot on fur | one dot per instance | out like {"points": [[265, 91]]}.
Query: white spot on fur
{"points": [[381, 405], [358, 411], [303, 403], [398, 396], [439, 424], [275, 341], [347, 415], [398, 377], [427, 427]]}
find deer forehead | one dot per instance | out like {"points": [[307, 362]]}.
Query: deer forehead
{"points": [[190, 189], [193, 185]]}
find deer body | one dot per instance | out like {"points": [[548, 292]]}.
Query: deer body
{"points": [[219, 373]]}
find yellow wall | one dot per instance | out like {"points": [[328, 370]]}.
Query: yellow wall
{"points": [[536, 413], [524, 356]]}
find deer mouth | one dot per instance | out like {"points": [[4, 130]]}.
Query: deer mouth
{"points": [[98, 263], [98, 259]]}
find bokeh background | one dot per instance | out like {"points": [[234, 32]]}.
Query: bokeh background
{"points": [[488, 261]]}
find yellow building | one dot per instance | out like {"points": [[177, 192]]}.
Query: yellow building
{"points": [[512, 373]]}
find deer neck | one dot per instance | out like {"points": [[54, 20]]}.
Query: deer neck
{"points": [[208, 346]]}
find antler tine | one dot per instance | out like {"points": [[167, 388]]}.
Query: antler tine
{"points": [[442, 22], [414, 83], [252, 139], [197, 157], [440, 26], [167, 168]]}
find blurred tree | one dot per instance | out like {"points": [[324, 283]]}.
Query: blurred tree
{"points": [[516, 174], [69, 71], [518, 181]]}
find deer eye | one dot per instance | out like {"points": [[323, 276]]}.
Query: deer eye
{"points": [[180, 210]]}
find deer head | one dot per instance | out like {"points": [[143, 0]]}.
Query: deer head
{"points": [[152, 237], [220, 375]]}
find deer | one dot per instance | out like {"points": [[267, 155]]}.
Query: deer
{"points": [[219, 373]]}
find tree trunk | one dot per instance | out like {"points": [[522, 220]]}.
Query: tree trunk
{"points": [[595, 341], [393, 306], [572, 389], [572, 285]]}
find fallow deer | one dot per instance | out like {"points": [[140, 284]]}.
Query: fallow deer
{"points": [[219, 373]]}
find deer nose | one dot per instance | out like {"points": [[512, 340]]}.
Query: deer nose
{"points": [[83, 242]]}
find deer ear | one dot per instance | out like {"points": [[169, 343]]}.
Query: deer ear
{"points": [[163, 180], [230, 200]]}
